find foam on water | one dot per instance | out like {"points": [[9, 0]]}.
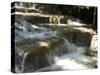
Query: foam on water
{"points": [[75, 57]]}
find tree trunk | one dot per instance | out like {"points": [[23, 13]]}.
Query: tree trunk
{"points": [[94, 16]]}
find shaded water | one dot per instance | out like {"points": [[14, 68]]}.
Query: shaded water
{"points": [[41, 48]]}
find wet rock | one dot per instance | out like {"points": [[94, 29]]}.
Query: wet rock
{"points": [[93, 47], [77, 36], [38, 52]]}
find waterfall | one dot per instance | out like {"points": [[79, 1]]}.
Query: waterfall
{"points": [[65, 56], [25, 30], [40, 48], [74, 58]]}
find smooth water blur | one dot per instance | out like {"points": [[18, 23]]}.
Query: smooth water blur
{"points": [[65, 55], [74, 59]]}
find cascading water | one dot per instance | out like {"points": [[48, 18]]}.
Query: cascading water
{"points": [[73, 59], [27, 30], [64, 56], [41, 49]]}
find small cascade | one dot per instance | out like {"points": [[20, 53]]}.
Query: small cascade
{"points": [[75, 23], [73, 58], [43, 48], [63, 56], [26, 30]]}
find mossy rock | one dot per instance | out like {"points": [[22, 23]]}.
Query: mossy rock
{"points": [[38, 51], [76, 36], [32, 45]]}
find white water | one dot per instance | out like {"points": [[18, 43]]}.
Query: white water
{"points": [[74, 59], [35, 31], [75, 23]]}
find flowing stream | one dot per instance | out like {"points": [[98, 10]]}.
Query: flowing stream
{"points": [[50, 51], [50, 47]]}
